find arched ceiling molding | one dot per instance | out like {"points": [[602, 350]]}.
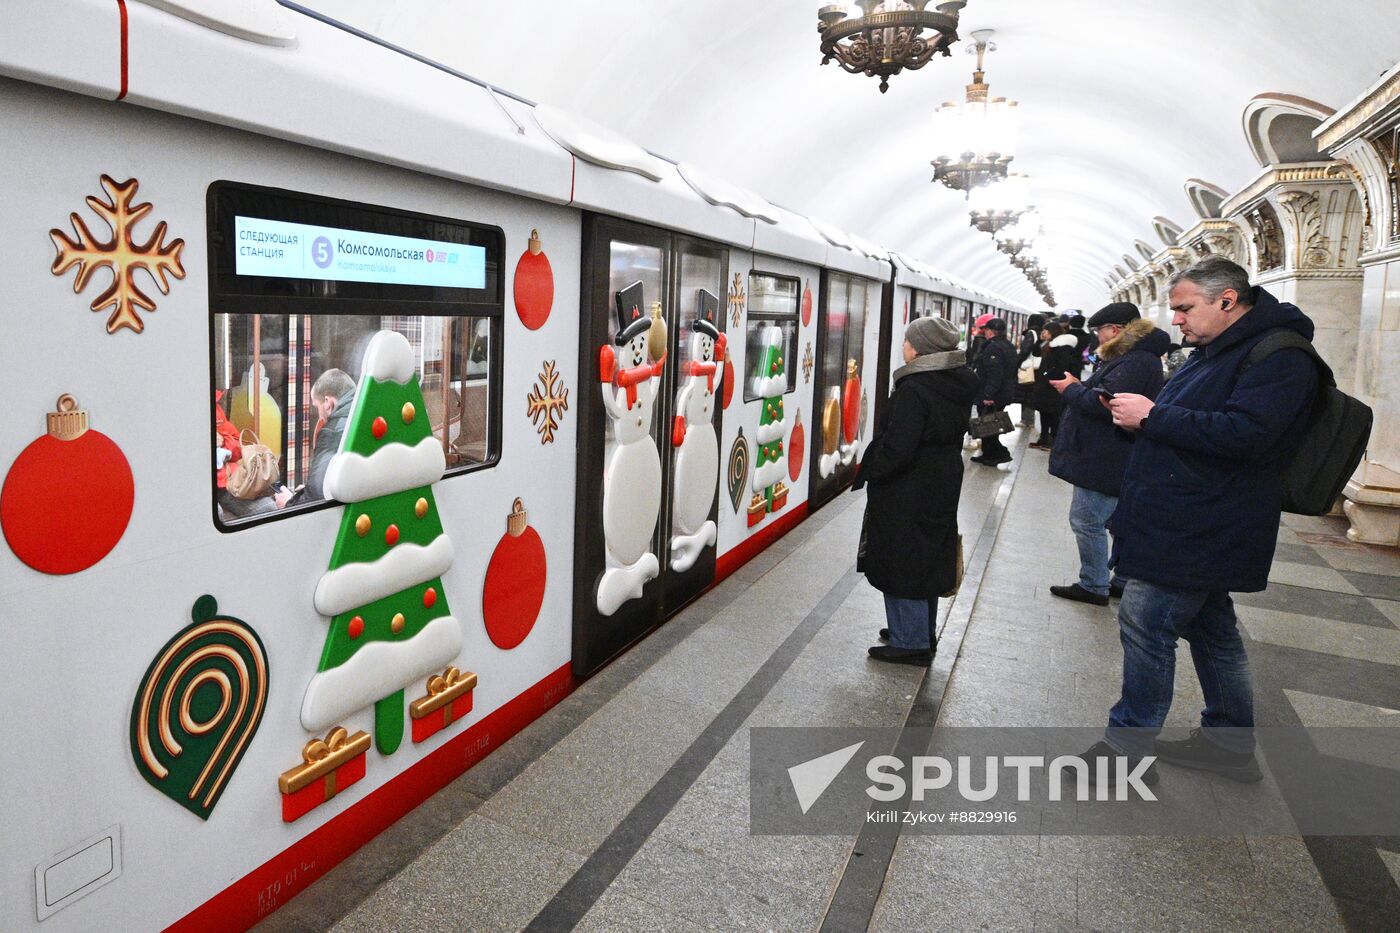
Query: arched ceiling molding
{"points": [[1144, 250], [1130, 262], [1167, 231], [1205, 198], [1279, 128]]}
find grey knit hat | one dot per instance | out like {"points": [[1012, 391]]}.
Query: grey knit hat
{"points": [[931, 335]]}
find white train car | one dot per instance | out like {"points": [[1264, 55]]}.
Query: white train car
{"points": [[355, 412]]}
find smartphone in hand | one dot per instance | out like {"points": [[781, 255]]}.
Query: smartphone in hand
{"points": [[1103, 394]]}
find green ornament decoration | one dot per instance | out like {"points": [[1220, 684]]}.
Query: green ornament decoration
{"points": [[198, 707], [390, 623]]}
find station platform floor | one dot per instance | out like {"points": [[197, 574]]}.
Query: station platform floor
{"points": [[625, 808]]}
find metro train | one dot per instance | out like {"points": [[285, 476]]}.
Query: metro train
{"points": [[340, 339]]}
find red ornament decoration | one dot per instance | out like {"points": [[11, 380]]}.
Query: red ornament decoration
{"points": [[727, 382], [391, 535], [534, 285], [67, 499], [850, 404], [356, 627], [797, 446], [514, 589], [378, 428], [806, 305]]}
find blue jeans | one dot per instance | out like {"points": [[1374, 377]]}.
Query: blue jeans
{"points": [[1150, 620], [910, 622], [1089, 512]]}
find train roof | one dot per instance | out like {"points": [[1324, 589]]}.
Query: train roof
{"points": [[280, 70]]}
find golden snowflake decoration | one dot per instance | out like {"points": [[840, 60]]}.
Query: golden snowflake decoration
{"points": [[807, 363], [121, 254], [736, 299], [547, 402]]}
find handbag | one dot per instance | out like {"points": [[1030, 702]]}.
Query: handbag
{"points": [[1025, 376], [958, 578], [994, 422], [253, 475]]}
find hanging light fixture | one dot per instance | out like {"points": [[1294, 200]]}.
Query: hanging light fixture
{"points": [[1018, 237], [886, 36], [980, 130], [1001, 205]]}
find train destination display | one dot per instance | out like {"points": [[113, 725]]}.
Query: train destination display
{"points": [[281, 249]]}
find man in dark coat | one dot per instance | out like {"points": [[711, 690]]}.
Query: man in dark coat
{"points": [[914, 471], [332, 395], [1086, 340], [1090, 453], [996, 371], [1199, 512]]}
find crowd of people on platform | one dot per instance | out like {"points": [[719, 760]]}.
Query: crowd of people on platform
{"points": [[1179, 458]]}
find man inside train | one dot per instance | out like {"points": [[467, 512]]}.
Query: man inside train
{"points": [[1198, 517], [332, 395]]}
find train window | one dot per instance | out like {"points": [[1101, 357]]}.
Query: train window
{"points": [[773, 302], [298, 286], [848, 301], [636, 281]]}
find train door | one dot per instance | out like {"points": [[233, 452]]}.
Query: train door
{"points": [[890, 355], [845, 302], [650, 364]]}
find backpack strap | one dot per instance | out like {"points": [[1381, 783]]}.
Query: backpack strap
{"points": [[1283, 338]]}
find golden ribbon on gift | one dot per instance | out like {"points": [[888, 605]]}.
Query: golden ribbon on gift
{"points": [[321, 758], [442, 689]]}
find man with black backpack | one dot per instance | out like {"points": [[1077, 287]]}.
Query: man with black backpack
{"points": [[1198, 516]]}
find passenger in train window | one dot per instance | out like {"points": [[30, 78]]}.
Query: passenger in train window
{"points": [[913, 468], [332, 394], [995, 366], [1198, 517], [1090, 453], [228, 452]]}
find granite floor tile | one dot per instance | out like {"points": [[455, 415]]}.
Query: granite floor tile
{"points": [[1308, 603], [1362, 558], [1316, 577], [1343, 639], [710, 893], [1376, 585], [615, 912], [1299, 554], [481, 876]]}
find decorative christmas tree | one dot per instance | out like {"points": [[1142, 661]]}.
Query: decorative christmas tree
{"points": [[390, 624], [770, 494]]}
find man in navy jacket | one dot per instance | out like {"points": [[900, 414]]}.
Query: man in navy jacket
{"points": [[1090, 453], [1199, 513]]}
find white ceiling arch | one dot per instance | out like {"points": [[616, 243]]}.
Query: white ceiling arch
{"points": [[1278, 128], [1123, 100]]}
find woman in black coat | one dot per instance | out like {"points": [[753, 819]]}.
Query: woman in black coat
{"points": [[1059, 355], [914, 468], [1028, 347]]}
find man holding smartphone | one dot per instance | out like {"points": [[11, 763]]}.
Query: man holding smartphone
{"points": [[1089, 452]]}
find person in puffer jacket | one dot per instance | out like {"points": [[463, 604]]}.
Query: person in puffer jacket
{"points": [[1090, 453]]}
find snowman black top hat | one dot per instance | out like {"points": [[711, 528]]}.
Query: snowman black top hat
{"points": [[630, 319], [707, 306]]}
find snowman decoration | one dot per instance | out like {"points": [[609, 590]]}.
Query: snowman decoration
{"points": [[697, 450], [631, 378]]}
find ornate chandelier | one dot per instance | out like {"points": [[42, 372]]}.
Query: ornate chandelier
{"points": [[886, 36], [981, 129], [1000, 205], [1014, 239]]}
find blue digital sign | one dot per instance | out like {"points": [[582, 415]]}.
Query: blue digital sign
{"points": [[286, 250]]}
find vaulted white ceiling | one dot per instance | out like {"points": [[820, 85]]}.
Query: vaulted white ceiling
{"points": [[1120, 103]]}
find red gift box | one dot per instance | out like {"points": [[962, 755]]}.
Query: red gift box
{"points": [[758, 508], [780, 494], [328, 766], [449, 699]]}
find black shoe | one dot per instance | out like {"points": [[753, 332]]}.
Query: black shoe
{"points": [[885, 635], [979, 458], [1080, 595], [1115, 592], [1102, 749], [1199, 752], [918, 657]]}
